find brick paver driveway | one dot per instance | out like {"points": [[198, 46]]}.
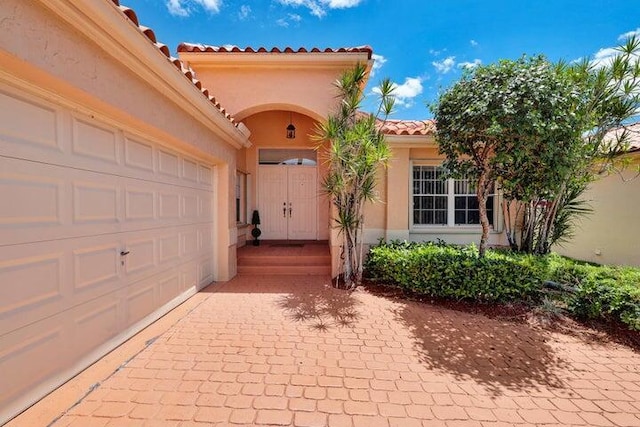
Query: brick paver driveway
{"points": [[293, 351]]}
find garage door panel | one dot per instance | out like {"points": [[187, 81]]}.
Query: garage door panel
{"points": [[140, 204], [96, 267], [17, 123], [95, 203], [189, 275], [205, 176], [169, 205], [139, 154], [95, 322], [141, 257], [40, 349], [95, 141], [168, 164], [29, 200], [190, 170], [205, 238], [169, 248], [205, 272], [168, 287], [190, 206], [189, 243], [30, 285], [140, 301]]}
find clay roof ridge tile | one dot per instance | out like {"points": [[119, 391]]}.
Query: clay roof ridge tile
{"points": [[130, 13]]}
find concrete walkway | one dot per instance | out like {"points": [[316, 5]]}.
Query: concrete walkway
{"points": [[292, 351]]}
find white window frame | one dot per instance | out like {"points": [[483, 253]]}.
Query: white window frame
{"points": [[450, 226]]}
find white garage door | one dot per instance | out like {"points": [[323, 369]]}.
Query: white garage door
{"points": [[98, 230]]}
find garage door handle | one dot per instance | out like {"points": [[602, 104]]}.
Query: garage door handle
{"points": [[124, 253]]}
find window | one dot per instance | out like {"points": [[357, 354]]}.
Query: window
{"points": [[241, 197], [445, 202], [276, 156]]}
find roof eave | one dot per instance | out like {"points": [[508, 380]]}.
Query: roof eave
{"points": [[309, 60], [411, 141]]}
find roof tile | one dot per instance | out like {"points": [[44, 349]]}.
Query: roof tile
{"points": [[633, 135], [409, 127], [200, 48]]}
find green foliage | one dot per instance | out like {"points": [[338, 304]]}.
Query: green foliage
{"points": [[604, 292], [357, 150], [538, 129], [456, 272]]}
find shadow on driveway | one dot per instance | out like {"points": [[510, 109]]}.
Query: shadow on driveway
{"points": [[496, 353]]}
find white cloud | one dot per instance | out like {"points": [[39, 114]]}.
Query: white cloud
{"points": [[177, 8], [245, 11], [378, 62], [291, 18], [473, 43], [186, 7], [629, 34], [435, 52], [472, 64], [604, 56], [406, 92], [446, 65], [319, 7]]}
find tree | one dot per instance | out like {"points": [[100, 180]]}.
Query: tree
{"points": [[500, 116], [536, 129], [357, 150]]}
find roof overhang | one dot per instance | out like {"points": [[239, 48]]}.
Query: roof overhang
{"points": [[233, 57], [411, 141]]}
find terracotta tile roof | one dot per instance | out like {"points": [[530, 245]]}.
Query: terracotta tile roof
{"points": [[633, 135], [200, 48], [409, 127], [188, 72]]}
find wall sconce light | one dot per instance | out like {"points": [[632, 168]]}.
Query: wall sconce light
{"points": [[291, 129]]}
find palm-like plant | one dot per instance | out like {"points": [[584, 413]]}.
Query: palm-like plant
{"points": [[357, 150]]}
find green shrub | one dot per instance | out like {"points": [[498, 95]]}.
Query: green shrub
{"points": [[440, 270], [608, 293], [456, 272]]}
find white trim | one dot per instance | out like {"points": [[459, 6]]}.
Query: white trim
{"points": [[102, 22]]}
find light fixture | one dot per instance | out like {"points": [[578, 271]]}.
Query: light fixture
{"points": [[291, 129]]}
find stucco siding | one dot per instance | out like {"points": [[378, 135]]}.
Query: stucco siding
{"points": [[611, 233]]}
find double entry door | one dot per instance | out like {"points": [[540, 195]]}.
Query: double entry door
{"points": [[288, 202]]}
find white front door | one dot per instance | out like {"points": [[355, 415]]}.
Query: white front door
{"points": [[288, 202]]}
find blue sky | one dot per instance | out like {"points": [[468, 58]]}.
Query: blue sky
{"points": [[421, 45]]}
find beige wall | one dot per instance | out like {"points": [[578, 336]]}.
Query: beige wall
{"points": [[248, 89], [611, 233]]}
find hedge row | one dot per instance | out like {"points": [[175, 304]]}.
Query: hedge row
{"points": [[441, 270]]}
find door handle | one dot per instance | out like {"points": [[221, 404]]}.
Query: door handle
{"points": [[290, 209], [124, 253], [284, 209]]}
